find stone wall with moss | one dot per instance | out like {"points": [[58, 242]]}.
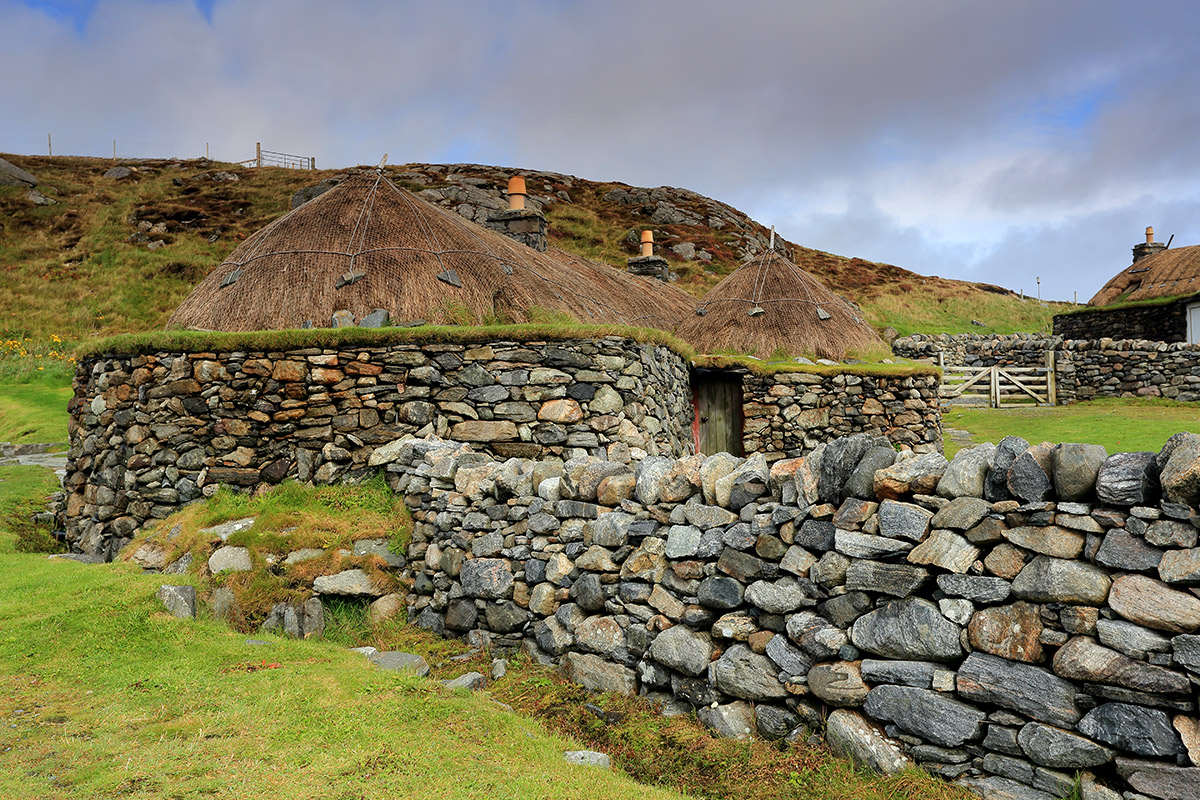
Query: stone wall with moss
{"points": [[151, 432]]}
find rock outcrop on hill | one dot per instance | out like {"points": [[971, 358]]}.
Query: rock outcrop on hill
{"points": [[12, 175]]}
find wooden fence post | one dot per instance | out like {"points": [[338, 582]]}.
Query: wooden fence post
{"points": [[995, 388], [1051, 379], [258, 154]]}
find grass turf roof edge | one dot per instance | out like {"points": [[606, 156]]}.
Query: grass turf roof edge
{"points": [[282, 340], [1147, 303]]}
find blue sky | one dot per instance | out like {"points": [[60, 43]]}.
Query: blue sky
{"points": [[998, 142]]}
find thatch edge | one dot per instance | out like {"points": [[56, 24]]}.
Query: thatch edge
{"points": [[280, 340]]}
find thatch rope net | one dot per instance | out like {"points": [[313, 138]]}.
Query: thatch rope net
{"points": [[643, 302], [366, 244], [769, 305]]}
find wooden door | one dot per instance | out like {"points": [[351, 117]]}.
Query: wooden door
{"points": [[718, 402]]}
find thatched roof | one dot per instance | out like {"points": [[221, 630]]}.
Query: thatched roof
{"points": [[769, 304], [366, 244], [644, 302], [1163, 274]]}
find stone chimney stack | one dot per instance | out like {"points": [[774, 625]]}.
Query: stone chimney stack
{"points": [[647, 263], [519, 223], [1147, 248]]}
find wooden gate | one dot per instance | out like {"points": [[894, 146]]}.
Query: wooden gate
{"points": [[1000, 387], [717, 397]]}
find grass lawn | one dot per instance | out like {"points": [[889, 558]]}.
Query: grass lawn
{"points": [[102, 694], [34, 413], [1120, 425]]}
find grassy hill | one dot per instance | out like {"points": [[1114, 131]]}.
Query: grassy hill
{"points": [[116, 255]]}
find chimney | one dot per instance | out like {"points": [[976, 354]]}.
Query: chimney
{"points": [[516, 193], [519, 223], [647, 263], [1148, 248]]}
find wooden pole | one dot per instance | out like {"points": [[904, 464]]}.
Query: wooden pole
{"points": [[995, 387], [114, 149], [206, 151], [258, 154], [49, 145], [312, 163]]}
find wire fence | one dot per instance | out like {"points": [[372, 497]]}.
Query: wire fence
{"points": [[51, 145], [127, 150]]}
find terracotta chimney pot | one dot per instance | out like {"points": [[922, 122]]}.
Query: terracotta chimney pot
{"points": [[1149, 235], [516, 193], [647, 243]]}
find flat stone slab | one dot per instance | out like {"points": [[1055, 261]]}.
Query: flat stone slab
{"points": [[400, 662], [231, 559], [352, 582], [179, 600], [227, 529], [587, 758], [1023, 688]]}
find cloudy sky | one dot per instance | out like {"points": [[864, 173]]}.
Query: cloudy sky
{"points": [[993, 141]]}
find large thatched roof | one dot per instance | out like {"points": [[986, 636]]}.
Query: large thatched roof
{"points": [[1163, 274], [769, 304], [367, 244]]}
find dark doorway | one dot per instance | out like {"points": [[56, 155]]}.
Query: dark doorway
{"points": [[717, 397]]}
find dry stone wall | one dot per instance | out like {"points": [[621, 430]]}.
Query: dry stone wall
{"points": [[1164, 322], [790, 414], [1084, 368], [152, 432], [1006, 620]]}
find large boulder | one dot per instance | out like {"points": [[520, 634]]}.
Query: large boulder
{"points": [[995, 487], [930, 715], [839, 461], [741, 672], [910, 629], [682, 649], [851, 735], [1181, 472], [12, 175], [1075, 469], [966, 474], [1128, 479]]}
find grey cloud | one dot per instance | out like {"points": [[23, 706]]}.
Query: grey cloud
{"points": [[748, 102]]}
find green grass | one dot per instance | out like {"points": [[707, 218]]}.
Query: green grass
{"points": [[1120, 425], [34, 412], [940, 312], [291, 516], [196, 341], [117, 699], [23, 492]]}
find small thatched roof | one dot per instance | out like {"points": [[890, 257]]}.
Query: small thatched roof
{"points": [[366, 244], [769, 304], [1163, 274]]}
